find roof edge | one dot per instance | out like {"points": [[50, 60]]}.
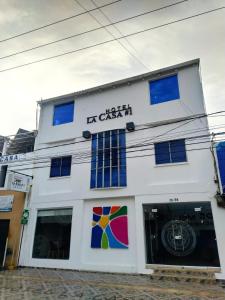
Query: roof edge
{"points": [[113, 84]]}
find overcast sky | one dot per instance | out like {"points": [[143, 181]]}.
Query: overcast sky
{"points": [[202, 37]]}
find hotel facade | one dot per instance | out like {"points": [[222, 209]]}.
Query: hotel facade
{"points": [[124, 179]]}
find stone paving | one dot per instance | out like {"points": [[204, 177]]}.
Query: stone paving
{"points": [[32, 284]]}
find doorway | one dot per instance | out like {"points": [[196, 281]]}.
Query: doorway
{"points": [[180, 234], [4, 229]]}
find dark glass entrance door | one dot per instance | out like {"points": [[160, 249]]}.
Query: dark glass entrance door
{"points": [[4, 229], [180, 234]]}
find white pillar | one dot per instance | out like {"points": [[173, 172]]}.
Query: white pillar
{"points": [[5, 146]]}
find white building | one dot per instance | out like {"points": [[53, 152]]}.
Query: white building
{"points": [[124, 178]]}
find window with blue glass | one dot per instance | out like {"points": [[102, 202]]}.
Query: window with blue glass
{"points": [[108, 164], [170, 152], [220, 152], [63, 113], [60, 166], [164, 89]]}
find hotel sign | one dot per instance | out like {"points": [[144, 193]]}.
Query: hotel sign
{"points": [[9, 158], [18, 182], [112, 113]]}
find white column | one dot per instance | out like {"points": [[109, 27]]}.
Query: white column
{"points": [[5, 146]]}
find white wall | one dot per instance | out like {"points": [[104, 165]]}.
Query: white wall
{"points": [[146, 182], [117, 260], [136, 94]]}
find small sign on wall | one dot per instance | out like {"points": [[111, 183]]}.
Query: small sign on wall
{"points": [[6, 203], [9, 158], [18, 182], [25, 216]]}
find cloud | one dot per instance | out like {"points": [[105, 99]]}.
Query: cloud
{"points": [[20, 89]]}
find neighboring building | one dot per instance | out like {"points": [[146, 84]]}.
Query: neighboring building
{"points": [[23, 142], [17, 159], [1, 144], [124, 178], [11, 209]]}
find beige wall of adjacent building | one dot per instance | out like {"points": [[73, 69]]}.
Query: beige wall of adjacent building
{"points": [[14, 227]]}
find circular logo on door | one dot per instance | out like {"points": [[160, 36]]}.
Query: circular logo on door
{"points": [[178, 238]]}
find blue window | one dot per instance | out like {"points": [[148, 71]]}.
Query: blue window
{"points": [[170, 152], [220, 151], [63, 113], [60, 166], [164, 89], [108, 164]]}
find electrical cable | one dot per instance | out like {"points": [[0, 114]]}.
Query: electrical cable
{"points": [[108, 31], [150, 126], [218, 126], [91, 30], [110, 40], [130, 146], [121, 148], [140, 129], [34, 131], [54, 23], [86, 154], [128, 157]]}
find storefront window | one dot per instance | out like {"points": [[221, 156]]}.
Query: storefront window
{"points": [[52, 235], [180, 234]]}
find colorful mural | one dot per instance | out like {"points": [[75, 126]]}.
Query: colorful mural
{"points": [[109, 227]]}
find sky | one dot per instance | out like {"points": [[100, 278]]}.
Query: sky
{"points": [[201, 37]]}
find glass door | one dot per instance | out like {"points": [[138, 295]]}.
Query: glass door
{"points": [[180, 234]]}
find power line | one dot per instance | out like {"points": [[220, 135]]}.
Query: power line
{"points": [[170, 130], [122, 45], [91, 30], [135, 145], [140, 129], [56, 22], [217, 126], [129, 149], [147, 126], [78, 156], [141, 139], [27, 134], [109, 41], [171, 136], [89, 156], [128, 157]]}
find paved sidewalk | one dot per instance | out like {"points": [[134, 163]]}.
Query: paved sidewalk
{"points": [[32, 284]]}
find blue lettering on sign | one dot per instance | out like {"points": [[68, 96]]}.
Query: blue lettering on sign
{"points": [[9, 158]]}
